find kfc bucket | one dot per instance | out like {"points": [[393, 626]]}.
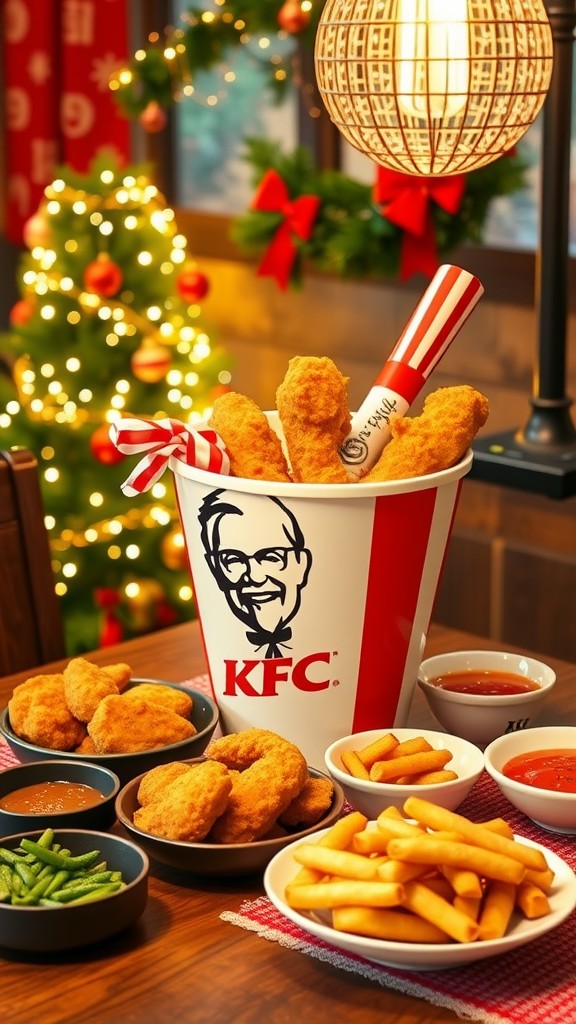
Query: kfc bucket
{"points": [[315, 599]]}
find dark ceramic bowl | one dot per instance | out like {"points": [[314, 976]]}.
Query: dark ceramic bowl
{"points": [[213, 859], [98, 818], [127, 766], [50, 929]]}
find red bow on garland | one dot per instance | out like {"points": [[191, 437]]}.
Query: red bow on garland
{"points": [[405, 200], [299, 216]]}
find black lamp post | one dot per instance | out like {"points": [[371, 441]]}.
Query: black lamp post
{"points": [[541, 457]]}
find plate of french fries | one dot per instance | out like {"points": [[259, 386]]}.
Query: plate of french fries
{"points": [[421, 888]]}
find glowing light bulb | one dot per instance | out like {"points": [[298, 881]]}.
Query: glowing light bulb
{"points": [[432, 73]]}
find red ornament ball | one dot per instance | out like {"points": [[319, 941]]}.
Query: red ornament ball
{"points": [[103, 277], [153, 118], [21, 312], [192, 285], [150, 363], [291, 17], [102, 448]]}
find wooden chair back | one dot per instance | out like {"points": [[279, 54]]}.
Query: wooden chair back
{"points": [[31, 629]]}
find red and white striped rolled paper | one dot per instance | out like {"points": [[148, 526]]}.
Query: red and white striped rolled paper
{"points": [[441, 312], [161, 440]]}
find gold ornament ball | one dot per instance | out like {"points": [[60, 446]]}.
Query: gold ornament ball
{"points": [[173, 550], [150, 363]]}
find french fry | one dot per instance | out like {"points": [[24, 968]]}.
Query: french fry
{"points": [[398, 826], [541, 879], [464, 882], [468, 905], [377, 750], [532, 901], [496, 910], [498, 825], [353, 765], [371, 841], [338, 837], [429, 778], [430, 850], [420, 899], [409, 764], [436, 817], [400, 870], [341, 863], [386, 924], [416, 745], [346, 893]]}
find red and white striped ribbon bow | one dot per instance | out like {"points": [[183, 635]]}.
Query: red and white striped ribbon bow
{"points": [[161, 439]]}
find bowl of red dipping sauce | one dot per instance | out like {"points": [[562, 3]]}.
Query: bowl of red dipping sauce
{"points": [[57, 794], [536, 772], [480, 695]]}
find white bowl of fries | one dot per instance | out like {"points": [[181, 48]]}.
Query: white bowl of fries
{"points": [[381, 768], [422, 890]]}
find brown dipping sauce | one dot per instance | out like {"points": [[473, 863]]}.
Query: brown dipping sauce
{"points": [[51, 798], [485, 683]]}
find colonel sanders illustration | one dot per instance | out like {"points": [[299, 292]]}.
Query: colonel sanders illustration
{"points": [[261, 564]]}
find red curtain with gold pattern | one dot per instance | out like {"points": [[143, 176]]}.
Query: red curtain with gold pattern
{"points": [[57, 59]]}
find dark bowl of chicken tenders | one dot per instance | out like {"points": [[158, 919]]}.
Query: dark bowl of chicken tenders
{"points": [[125, 724], [206, 817]]}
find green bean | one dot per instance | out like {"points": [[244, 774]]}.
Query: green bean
{"points": [[59, 860], [8, 857], [33, 895], [57, 881], [102, 876], [80, 891], [26, 874]]}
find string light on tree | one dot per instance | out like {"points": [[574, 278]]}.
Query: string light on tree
{"points": [[101, 329]]}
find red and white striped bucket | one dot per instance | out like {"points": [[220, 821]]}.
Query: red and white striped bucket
{"points": [[315, 599]]}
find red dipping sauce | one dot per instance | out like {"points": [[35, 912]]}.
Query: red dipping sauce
{"points": [[544, 769], [485, 683]]}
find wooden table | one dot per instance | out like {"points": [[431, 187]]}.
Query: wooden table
{"points": [[182, 963]]}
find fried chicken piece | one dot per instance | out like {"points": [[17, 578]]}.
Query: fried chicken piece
{"points": [[272, 771], [85, 685], [437, 439], [254, 449], [313, 801], [313, 407], [189, 806], [121, 674], [40, 715], [168, 697], [87, 746], [155, 782], [122, 725]]}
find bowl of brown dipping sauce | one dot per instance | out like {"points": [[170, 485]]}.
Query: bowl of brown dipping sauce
{"points": [[536, 772], [480, 695], [57, 794]]}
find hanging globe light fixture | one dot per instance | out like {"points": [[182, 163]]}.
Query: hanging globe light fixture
{"points": [[433, 87]]}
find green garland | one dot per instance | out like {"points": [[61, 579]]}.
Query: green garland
{"points": [[159, 73], [351, 238]]}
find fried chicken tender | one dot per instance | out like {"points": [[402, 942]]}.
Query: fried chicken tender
{"points": [[313, 407], [85, 685], [121, 674], [312, 802], [168, 697], [189, 805], [272, 771], [122, 725], [155, 782], [255, 451], [40, 715], [437, 439]]}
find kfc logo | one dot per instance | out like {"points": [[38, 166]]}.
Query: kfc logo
{"points": [[261, 566]]}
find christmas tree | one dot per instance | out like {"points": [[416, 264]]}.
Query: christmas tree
{"points": [[107, 325]]}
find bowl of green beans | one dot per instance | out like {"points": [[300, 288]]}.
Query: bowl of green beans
{"points": [[62, 889]]}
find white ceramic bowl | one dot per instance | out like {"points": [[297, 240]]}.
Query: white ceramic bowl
{"points": [[372, 797], [553, 811], [477, 717]]}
